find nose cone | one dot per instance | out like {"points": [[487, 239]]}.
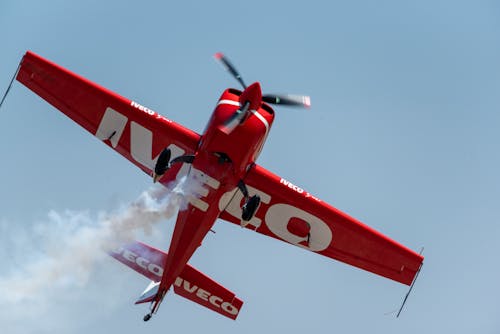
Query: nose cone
{"points": [[252, 94]]}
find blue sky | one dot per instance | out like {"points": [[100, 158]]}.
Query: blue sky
{"points": [[402, 134]]}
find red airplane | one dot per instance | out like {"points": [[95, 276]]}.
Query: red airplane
{"points": [[235, 188]]}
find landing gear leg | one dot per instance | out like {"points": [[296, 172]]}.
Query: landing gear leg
{"points": [[251, 203], [243, 188]]}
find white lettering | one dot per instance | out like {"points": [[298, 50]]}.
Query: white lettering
{"points": [[142, 262], [233, 207], [142, 108], [202, 294], [279, 215], [216, 301], [141, 144], [129, 255], [112, 126], [155, 269], [187, 286], [178, 281], [292, 186], [202, 191], [229, 308]]}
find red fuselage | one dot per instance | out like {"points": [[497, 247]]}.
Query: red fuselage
{"points": [[221, 161]]}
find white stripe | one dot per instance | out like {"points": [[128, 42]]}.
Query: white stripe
{"points": [[262, 119], [259, 116], [230, 102]]}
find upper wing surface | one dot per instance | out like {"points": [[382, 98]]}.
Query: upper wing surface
{"points": [[136, 132], [291, 214]]}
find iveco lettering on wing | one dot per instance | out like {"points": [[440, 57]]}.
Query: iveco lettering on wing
{"points": [[292, 186], [142, 108], [113, 124], [149, 111]]}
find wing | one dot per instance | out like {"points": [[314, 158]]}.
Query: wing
{"points": [[136, 132], [291, 214]]}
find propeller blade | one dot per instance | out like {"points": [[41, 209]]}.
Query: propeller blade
{"points": [[285, 100], [229, 67], [231, 124], [235, 119], [288, 100]]}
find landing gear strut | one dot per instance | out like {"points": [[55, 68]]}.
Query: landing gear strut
{"points": [[251, 203]]}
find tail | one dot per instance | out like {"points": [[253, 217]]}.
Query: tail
{"points": [[191, 284]]}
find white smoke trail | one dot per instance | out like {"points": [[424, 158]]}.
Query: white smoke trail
{"points": [[74, 243]]}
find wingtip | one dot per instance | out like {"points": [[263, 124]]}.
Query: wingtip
{"points": [[307, 101]]}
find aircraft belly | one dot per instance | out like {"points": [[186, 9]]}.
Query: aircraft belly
{"points": [[197, 219]]}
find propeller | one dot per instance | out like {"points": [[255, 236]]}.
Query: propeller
{"points": [[235, 119], [229, 67], [284, 100], [288, 100]]}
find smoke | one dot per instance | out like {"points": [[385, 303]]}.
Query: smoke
{"points": [[73, 244]]}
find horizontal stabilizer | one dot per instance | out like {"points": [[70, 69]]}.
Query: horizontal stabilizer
{"points": [[191, 284]]}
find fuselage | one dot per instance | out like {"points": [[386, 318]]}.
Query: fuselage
{"points": [[245, 143], [221, 162]]}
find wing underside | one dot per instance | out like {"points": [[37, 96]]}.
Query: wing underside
{"points": [[136, 132], [291, 214]]}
